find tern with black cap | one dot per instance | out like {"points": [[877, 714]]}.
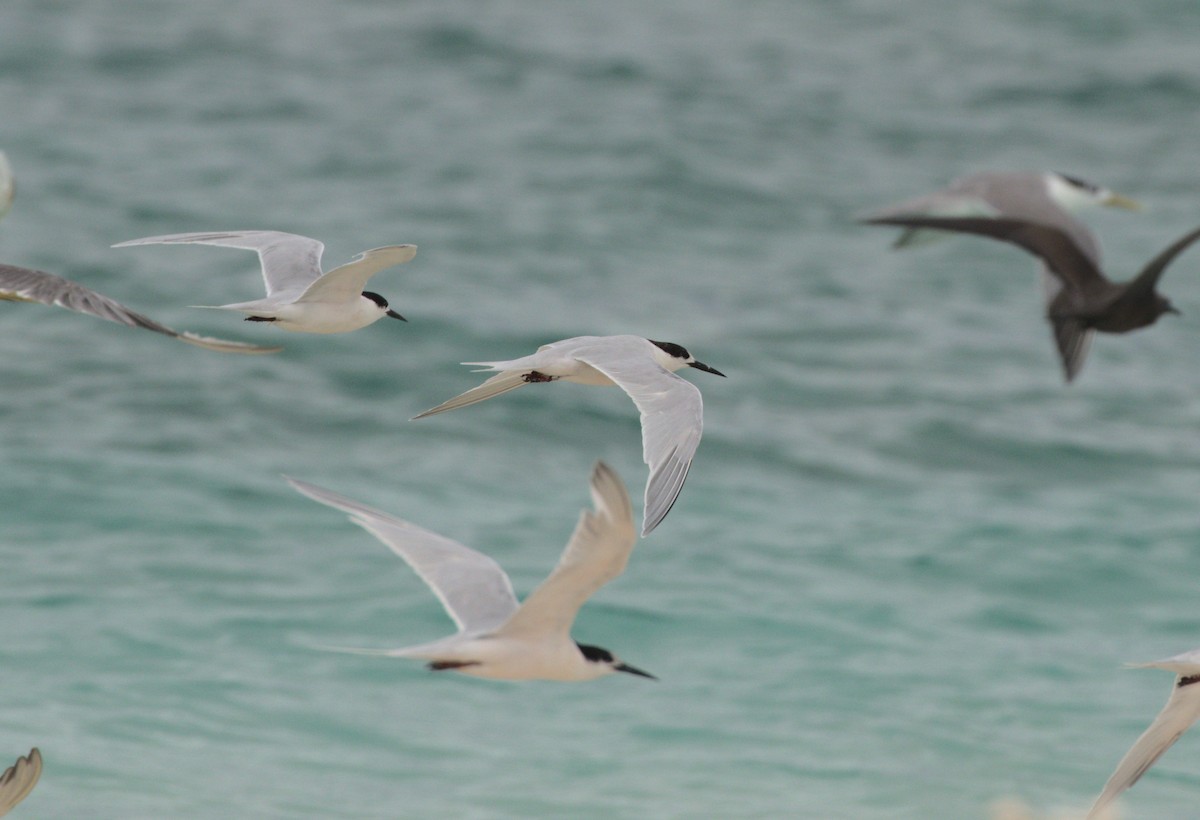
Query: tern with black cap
{"points": [[497, 637], [301, 298], [672, 411], [1046, 197]]}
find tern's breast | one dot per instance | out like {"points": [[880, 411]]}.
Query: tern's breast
{"points": [[327, 317]]}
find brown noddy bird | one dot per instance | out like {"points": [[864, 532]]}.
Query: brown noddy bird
{"points": [[1085, 300]]}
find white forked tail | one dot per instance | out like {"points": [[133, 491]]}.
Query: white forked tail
{"points": [[500, 383]]}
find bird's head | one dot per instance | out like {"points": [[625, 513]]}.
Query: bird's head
{"points": [[673, 357], [383, 304], [605, 662], [1074, 193]]}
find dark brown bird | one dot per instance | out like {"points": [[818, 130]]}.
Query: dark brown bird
{"points": [[1085, 300]]}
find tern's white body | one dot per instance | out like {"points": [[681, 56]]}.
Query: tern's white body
{"points": [[1181, 711], [301, 298], [502, 657], [497, 638], [672, 411]]}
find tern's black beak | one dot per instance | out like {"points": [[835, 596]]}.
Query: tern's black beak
{"points": [[1174, 310], [633, 670], [396, 315], [706, 368]]}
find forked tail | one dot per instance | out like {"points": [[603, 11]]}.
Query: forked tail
{"points": [[500, 383]]}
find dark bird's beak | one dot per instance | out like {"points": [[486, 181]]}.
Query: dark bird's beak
{"points": [[1175, 310], [396, 315], [706, 368], [633, 670]]}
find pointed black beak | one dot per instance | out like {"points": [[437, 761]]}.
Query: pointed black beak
{"points": [[706, 368], [1175, 310], [633, 670], [396, 315]]}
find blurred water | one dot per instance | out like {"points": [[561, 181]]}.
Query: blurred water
{"points": [[908, 561]]}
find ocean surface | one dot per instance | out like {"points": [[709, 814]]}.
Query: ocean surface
{"points": [[908, 564]]}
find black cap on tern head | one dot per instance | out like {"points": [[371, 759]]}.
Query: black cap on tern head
{"points": [[1079, 183], [383, 303], [597, 654], [680, 352]]}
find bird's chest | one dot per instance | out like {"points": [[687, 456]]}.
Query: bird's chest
{"points": [[327, 317]]}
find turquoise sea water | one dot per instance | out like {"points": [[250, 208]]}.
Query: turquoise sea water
{"points": [[908, 562]]}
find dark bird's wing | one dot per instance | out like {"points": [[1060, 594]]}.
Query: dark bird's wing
{"points": [[1146, 281], [28, 285], [1075, 266]]}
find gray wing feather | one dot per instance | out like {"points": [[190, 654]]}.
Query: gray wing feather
{"points": [[28, 285], [672, 413], [290, 262], [475, 591], [1181, 711]]}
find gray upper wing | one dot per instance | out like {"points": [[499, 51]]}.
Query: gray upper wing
{"points": [[290, 262], [1181, 711], [474, 590], [672, 414]]}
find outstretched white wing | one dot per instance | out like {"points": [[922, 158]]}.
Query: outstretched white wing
{"points": [[672, 417], [290, 262], [472, 587], [598, 551], [344, 283], [1181, 711], [28, 285], [19, 779]]}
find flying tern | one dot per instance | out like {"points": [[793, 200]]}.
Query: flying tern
{"points": [[497, 638], [19, 779], [28, 285], [672, 411], [300, 297], [1045, 197]]}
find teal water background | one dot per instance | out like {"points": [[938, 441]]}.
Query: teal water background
{"points": [[908, 563]]}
